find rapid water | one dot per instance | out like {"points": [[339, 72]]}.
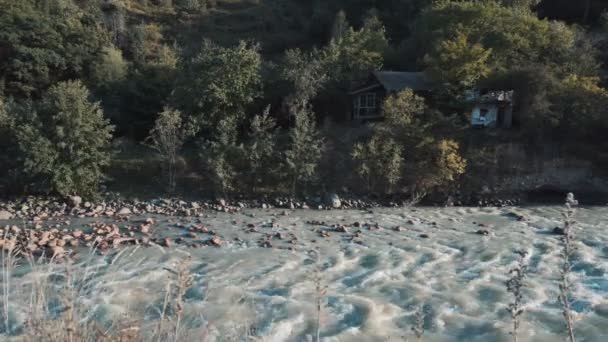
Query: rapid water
{"points": [[374, 283]]}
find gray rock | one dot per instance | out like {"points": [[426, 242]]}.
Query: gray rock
{"points": [[75, 200], [124, 211], [5, 215], [333, 200], [601, 310]]}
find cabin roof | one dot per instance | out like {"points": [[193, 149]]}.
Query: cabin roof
{"points": [[394, 81], [398, 80]]}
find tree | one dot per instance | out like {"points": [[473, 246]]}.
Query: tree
{"points": [[307, 73], [340, 27], [221, 155], [261, 149], [167, 138], [8, 156], [220, 83], [582, 106], [403, 108], [110, 68], [459, 64], [379, 161], [146, 43], [145, 92], [64, 139], [304, 151], [43, 45], [513, 36], [357, 52], [448, 161]]}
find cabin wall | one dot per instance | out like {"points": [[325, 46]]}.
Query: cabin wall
{"points": [[379, 95], [491, 117]]}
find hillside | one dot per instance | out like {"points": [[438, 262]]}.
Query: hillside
{"points": [[254, 96]]}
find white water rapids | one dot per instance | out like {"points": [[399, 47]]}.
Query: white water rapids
{"points": [[374, 284]]}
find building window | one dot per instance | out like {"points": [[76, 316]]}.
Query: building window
{"points": [[483, 113], [366, 105]]}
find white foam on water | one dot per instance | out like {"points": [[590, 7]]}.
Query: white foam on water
{"points": [[374, 287]]}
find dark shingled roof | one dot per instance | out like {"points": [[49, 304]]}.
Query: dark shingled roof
{"points": [[396, 81]]}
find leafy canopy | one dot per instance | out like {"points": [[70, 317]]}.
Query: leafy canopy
{"points": [[220, 82], [46, 42], [64, 139]]}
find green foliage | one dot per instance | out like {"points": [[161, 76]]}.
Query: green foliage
{"points": [[458, 64], [261, 150], [307, 73], [110, 69], [304, 150], [379, 161], [514, 36], [448, 161], [7, 152], [63, 139], [409, 128], [506, 47], [401, 109], [167, 138], [354, 53], [583, 106], [146, 43], [145, 92], [220, 156], [219, 83], [45, 44]]}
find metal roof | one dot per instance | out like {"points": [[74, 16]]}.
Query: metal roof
{"points": [[398, 80]]}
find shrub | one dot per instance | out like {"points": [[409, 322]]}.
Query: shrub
{"points": [[63, 140], [261, 150], [167, 138], [304, 150], [379, 162]]}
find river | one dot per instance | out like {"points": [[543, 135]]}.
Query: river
{"points": [[371, 285]]}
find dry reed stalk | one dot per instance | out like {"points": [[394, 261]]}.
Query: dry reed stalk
{"points": [[565, 287], [514, 286]]}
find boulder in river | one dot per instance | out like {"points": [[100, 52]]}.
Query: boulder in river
{"points": [[75, 201], [333, 201], [5, 215], [124, 211]]}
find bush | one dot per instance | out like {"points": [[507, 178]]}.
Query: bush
{"points": [[379, 162], [303, 152], [63, 140]]}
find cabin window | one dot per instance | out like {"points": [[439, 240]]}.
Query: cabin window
{"points": [[483, 113], [367, 105]]}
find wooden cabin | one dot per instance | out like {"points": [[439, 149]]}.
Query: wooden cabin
{"points": [[367, 98]]}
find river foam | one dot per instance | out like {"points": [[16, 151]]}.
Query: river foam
{"points": [[374, 284]]}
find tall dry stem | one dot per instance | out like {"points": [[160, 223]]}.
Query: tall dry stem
{"points": [[565, 286], [514, 286], [418, 327], [320, 291]]}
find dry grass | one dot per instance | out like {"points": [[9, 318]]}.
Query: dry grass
{"points": [[59, 281]]}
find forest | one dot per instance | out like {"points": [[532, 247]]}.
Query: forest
{"points": [[216, 98]]}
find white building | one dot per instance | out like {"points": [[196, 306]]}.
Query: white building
{"points": [[492, 109]]}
